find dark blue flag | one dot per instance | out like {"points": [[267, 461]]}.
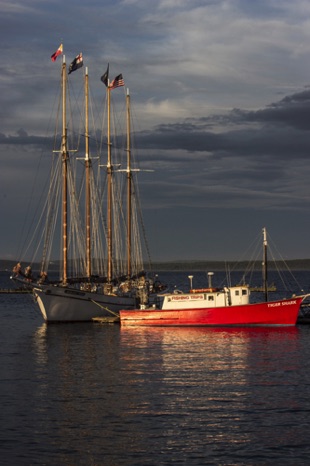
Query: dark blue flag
{"points": [[76, 64]]}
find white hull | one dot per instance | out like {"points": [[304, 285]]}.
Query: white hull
{"points": [[60, 304]]}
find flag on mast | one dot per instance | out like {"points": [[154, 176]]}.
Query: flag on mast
{"points": [[57, 53], [105, 77], [76, 63], [117, 82]]}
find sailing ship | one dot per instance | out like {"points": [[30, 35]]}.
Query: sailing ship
{"points": [[211, 306], [90, 287]]}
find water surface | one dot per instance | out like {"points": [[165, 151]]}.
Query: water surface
{"points": [[96, 394]]}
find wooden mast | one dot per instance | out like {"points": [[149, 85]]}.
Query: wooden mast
{"points": [[265, 265], [109, 193], [129, 182], [65, 157], [87, 183]]}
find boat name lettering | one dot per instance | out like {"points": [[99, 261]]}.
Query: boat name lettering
{"points": [[182, 297], [284, 303]]}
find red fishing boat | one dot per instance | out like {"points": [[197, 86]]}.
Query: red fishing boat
{"points": [[216, 307]]}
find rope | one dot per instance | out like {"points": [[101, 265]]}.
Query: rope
{"points": [[105, 308]]}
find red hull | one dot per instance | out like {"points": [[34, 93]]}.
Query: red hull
{"points": [[283, 312]]}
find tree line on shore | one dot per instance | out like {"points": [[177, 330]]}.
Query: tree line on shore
{"points": [[189, 265]]}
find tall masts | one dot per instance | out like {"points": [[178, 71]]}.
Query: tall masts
{"points": [[65, 160], [87, 184], [129, 182], [109, 193], [129, 191], [88, 212], [65, 157]]}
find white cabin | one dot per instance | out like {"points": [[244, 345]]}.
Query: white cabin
{"points": [[207, 298]]}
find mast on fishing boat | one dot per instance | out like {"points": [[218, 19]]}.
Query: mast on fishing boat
{"points": [[265, 264]]}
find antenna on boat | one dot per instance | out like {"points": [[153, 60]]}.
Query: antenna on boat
{"points": [[265, 278], [191, 281], [210, 275]]}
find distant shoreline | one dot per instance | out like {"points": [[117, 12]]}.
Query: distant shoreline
{"points": [[191, 265], [173, 266]]}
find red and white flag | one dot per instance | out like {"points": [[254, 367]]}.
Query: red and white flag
{"points": [[57, 53]]}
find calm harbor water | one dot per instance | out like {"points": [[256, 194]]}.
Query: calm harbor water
{"points": [[94, 394]]}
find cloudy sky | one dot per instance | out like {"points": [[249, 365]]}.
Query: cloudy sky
{"points": [[222, 98]]}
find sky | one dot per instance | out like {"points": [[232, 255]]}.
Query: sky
{"points": [[222, 98]]}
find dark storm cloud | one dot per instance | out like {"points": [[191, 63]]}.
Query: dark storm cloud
{"points": [[244, 149], [292, 111], [254, 160], [201, 75], [278, 131]]}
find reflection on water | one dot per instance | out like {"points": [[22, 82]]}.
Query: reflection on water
{"points": [[221, 385], [190, 391], [93, 394]]}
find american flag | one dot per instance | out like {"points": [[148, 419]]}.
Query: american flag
{"points": [[117, 82]]}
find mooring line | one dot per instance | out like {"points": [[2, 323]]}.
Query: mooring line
{"points": [[105, 308]]}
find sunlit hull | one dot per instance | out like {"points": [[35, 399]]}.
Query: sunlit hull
{"points": [[276, 313], [59, 304]]}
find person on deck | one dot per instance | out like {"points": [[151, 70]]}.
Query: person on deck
{"points": [[17, 269]]}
